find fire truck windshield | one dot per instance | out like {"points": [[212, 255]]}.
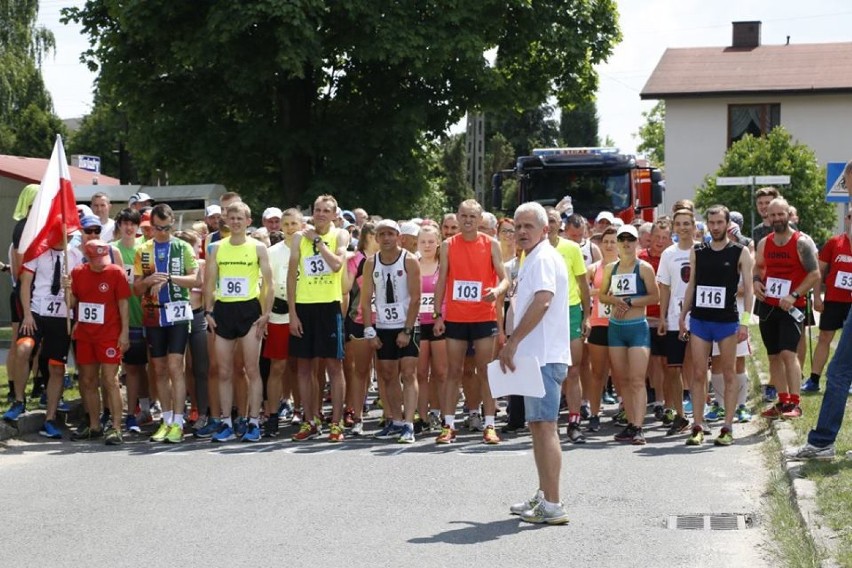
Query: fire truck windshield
{"points": [[592, 191]]}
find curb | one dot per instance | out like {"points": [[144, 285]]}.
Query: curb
{"points": [[31, 422], [804, 492]]}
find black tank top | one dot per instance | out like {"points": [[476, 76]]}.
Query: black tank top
{"points": [[714, 270]]}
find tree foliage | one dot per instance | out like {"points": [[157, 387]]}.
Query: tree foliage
{"points": [[28, 125], [578, 125], [290, 99], [774, 154], [653, 134]]}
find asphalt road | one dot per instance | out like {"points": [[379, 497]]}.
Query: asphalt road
{"points": [[371, 503]]}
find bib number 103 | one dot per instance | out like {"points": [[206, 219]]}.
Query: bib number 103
{"points": [[467, 291]]}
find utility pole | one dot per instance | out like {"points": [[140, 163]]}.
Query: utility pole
{"points": [[476, 154]]}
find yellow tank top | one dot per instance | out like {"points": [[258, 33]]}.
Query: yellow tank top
{"points": [[239, 271], [316, 283]]}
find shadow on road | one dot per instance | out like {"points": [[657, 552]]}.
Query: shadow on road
{"points": [[473, 532]]}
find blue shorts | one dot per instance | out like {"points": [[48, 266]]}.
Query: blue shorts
{"points": [[629, 333], [712, 331], [546, 408]]}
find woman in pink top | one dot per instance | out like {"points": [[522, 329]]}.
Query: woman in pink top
{"points": [[599, 320], [432, 364], [358, 356]]}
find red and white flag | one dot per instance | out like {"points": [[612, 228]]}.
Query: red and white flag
{"points": [[53, 209]]}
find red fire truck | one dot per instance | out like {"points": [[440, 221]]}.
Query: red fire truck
{"points": [[597, 179]]}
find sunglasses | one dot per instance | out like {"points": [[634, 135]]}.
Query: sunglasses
{"points": [[93, 231], [162, 227], [623, 239], [507, 231]]}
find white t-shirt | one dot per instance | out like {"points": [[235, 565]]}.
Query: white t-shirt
{"points": [[43, 302], [674, 273], [279, 261], [108, 231], [544, 269]]}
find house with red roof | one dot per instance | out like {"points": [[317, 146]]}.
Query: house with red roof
{"points": [[715, 95]]}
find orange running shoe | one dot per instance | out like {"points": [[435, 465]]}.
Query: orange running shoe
{"points": [[336, 433], [489, 436], [447, 435]]}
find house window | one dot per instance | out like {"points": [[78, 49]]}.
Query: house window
{"points": [[756, 120]]}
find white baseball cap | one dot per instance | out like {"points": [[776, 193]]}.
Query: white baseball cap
{"points": [[605, 216], [627, 230], [212, 210], [139, 196], [387, 224], [272, 213], [409, 228]]}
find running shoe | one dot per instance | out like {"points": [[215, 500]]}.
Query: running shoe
{"points": [[725, 437], [513, 428], [447, 435], [145, 417], [270, 427], [770, 393], [241, 427], [175, 434], [810, 386], [317, 423], [105, 419], [743, 415], [585, 411], [285, 411], [541, 514], [638, 437], [357, 429], [679, 425], [715, 413], [489, 436], [434, 420], [131, 425], [252, 433], [407, 436], [696, 438], [86, 433], [113, 437], [620, 419], [225, 433], [608, 398], [348, 418], [63, 406], [574, 434], [15, 411], [335, 434], [626, 435], [306, 432], [42, 400], [810, 452], [208, 430], [523, 507], [389, 432], [297, 418], [475, 423], [669, 417], [772, 412], [199, 423], [50, 430], [687, 406], [161, 433], [791, 412], [594, 424], [659, 412]]}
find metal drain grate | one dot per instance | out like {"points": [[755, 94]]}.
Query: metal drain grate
{"points": [[723, 522]]}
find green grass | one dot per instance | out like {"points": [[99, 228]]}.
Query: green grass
{"points": [[833, 480], [5, 333], [32, 403]]}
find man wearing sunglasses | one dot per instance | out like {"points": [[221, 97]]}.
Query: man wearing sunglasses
{"points": [[164, 270]]}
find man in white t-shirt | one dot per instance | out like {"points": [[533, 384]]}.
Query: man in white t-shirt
{"points": [[673, 278], [542, 324], [100, 207]]}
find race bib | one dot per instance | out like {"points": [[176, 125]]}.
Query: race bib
{"points": [[604, 310], [843, 280], [316, 266], [232, 287], [390, 314], [53, 307], [178, 311], [128, 273], [624, 284], [427, 303], [91, 313], [712, 297], [467, 291], [777, 288]]}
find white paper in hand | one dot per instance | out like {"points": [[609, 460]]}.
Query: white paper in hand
{"points": [[525, 380]]}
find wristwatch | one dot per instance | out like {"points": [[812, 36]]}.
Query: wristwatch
{"points": [[409, 331], [436, 315], [317, 240], [796, 295], [629, 301]]}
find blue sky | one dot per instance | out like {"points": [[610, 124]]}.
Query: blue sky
{"points": [[648, 28]]}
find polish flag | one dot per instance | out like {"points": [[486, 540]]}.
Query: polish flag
{"points": [[53, 209]]}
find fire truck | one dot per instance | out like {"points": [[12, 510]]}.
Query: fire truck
{"points": [[597, 179]]}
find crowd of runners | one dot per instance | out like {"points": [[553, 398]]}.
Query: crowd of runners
{"points": [[344, 324]]}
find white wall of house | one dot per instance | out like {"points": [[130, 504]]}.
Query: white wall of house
{"points": [[697, 130]]}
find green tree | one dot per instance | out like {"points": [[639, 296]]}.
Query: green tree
{"points": [[524, 129], [28, 125], [578, 125], [653, 134], [290, 99], [774, 154]]}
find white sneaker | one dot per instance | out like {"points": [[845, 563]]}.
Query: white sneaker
{"points": [[810, 452], [476, 423], [521, 508], [357, 429], [541, 514]]}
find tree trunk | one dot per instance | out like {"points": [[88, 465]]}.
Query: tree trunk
{"points": [[295, 100]]}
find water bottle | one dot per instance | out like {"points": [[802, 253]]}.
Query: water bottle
{"points": [[566, 206], [797, 314]]}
